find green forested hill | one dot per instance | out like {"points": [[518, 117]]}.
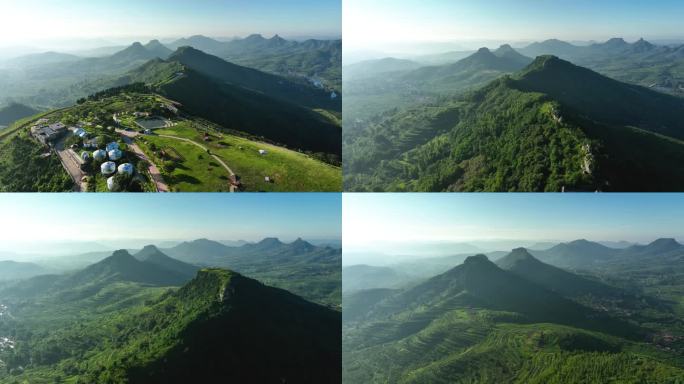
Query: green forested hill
{"points": [[368, 96], [480, 324], [245, 99], [553, 126], [118, 322], [13, 112], [300, 267]]}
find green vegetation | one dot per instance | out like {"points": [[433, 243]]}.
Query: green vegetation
{"points": [[478, 323], [287, 170], [246, 100], [124, 320], [185, 166], [13, 112], [310, 271], [25, 168], [553, 126]]}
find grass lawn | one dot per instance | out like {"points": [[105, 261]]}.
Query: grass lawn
{"points": [[290, 170], [198, 172]]}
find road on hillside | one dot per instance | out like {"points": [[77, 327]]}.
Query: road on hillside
{"points": [[153, 169], [70, 163]]}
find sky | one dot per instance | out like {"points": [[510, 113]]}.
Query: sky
{"points": [[390, 25], [372, 219], [55, 217], [42, 21]]}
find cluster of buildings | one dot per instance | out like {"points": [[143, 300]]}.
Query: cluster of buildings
{"points": [[109, 156], [47, 133]]}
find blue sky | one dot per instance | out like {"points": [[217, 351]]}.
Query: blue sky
{"points": [[91, 217], [372, 24], [28, 20], [373, 218]]}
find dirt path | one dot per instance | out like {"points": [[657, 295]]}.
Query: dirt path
{"points": [[230, 171], [154, 171]]}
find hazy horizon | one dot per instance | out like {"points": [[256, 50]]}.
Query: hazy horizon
{"points": [[86, 25], [35, 223], [374, 224], [415, 27]]}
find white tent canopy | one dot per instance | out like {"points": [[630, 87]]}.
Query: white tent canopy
{"points": [[115, 154], [112, 146], [108, 168], [126, 168], [99, 155]]}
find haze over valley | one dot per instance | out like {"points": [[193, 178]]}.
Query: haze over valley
{"points": [[517, 310], [173, 310], [572, 108], [265, 110]]}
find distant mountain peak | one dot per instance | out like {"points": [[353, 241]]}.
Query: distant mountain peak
{"points": [[269, 241], [484, 50], [137, 44], [580, 241], [301, 243], [616, 40], [520, 252], [517, 255], [477, 259], [642, 45], [148, 252], [505, 47], [665, 242], [255, 37], [121, 254]]}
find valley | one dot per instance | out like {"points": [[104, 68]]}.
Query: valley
{"points": [[187, 121], [522, 119], [143, 316], [573, 313]]}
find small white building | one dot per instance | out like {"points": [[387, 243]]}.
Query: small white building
{"points": [[99, 155], [108, 168], [126, 168], [262, 152], [112, 146], [115, 154]]}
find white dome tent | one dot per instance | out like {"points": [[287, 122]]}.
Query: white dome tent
{"points": [[111, 184], [126, 168], [112, 146], [85, 156], [115, 154], [108, 168], [99, 155]]}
